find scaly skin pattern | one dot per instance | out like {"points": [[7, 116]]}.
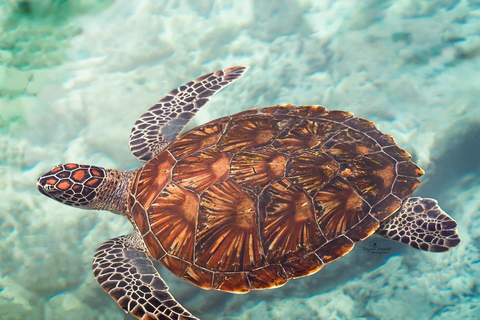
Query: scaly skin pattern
{"points": [[421, 224]]}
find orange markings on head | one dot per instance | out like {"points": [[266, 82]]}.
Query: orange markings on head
{"points": [[56, 169], [51, 181], [64, 185], [79, 175], [71, 166], [92, 182], [96, 172]]}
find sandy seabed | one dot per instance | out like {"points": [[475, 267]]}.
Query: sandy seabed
{"points": [[74, 77]]}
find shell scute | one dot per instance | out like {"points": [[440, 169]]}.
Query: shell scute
{"points": [[397, 153], [303, 266], [227, 236], [312, 170], [372, 176], [202, 169], [334, 249], [360, 124], [386, 207], [306, 134], [139, 215], [231, 282], [383, 140], [308, 111], [350, 144], [337, 115], [154, 246], [278, 109], [252, 132], [408, 168], [198, 139], [363, 229], [341, 207], [173, 217], [153, 177], [288, 225], [257, 168], [404, 186], [175, 265], [273, 275], [199, 277]]}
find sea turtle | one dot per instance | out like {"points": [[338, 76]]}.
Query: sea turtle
{"points": [[248, 201]]}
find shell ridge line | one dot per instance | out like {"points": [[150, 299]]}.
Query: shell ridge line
{"points": [[257, 216], [259, 227], [170, 180], [294, 120], [194, 260], [316, 216], [225, 130]]}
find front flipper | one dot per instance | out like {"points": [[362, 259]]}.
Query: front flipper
{"points": [[130, 278], [165, 120], [421, 224]]}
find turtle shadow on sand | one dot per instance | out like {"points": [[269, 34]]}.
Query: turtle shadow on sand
{"points": [[363, 259], [455, 159]]}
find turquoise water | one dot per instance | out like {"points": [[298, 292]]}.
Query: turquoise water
{"points": [[75, 75]]}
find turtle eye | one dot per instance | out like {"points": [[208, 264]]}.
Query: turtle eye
{"points": [[49, 188]]}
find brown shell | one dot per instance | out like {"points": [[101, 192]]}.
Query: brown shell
{"points": [[252, 200]]}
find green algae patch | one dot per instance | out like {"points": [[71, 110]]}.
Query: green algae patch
{"points": [[34, 35]]}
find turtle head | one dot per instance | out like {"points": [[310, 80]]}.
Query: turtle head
{"points": [[73, 184]]}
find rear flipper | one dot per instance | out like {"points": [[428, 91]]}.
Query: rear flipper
{"points": [[421, 224]]}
